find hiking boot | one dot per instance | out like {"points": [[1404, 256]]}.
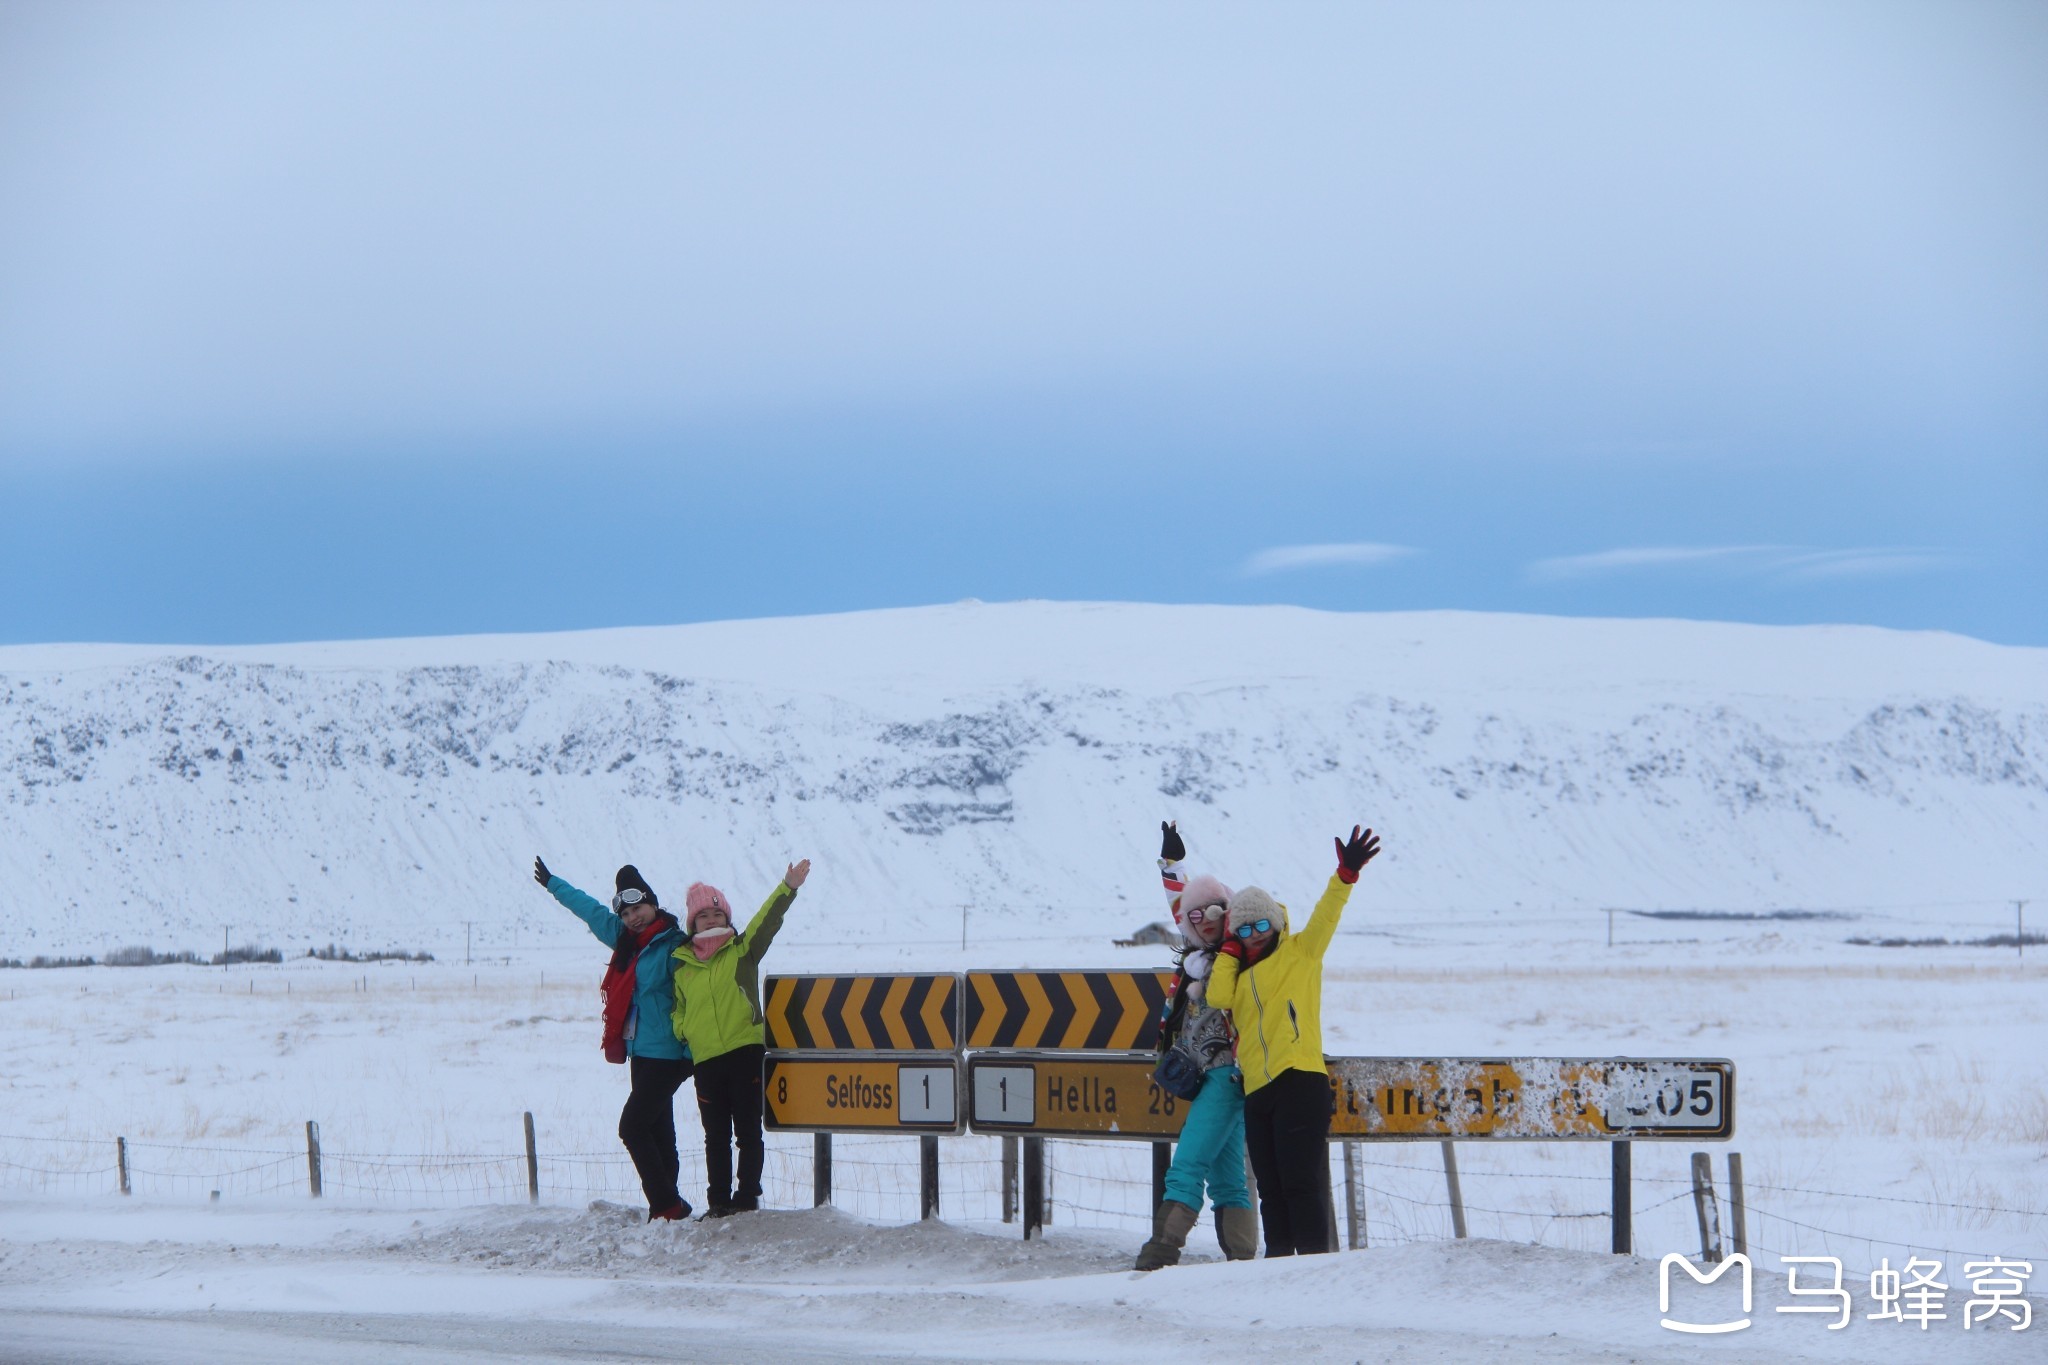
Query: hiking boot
{"points": [[1237, 1232], [1170, 1229], [680, 1212]]}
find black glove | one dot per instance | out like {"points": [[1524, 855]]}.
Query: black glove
{"points": [[1170, 846], [1356, 854], [540, 872]]}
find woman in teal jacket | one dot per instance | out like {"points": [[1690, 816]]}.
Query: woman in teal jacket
{"points": [[638, 1001]]}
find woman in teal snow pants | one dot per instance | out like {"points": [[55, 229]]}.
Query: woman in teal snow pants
{"points": [[1209, 1157]]}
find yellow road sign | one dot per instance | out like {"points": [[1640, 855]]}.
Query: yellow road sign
{"points": [[1532, 1097], [1069, 1094], [887, 1092], [1108, 1010], [863, 1013]]}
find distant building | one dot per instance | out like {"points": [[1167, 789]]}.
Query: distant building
{"points": [[1157, 932]]}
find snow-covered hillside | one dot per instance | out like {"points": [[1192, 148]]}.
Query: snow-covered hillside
{"points": [[1015, 758]]}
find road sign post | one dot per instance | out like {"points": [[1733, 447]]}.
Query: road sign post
{"points": [[927, 1178], [1623, 1217], [1034, 1187]]}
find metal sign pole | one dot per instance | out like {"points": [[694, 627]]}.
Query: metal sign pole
{"points": [[1034, 1187], [928, 1177], [821, 1170], [1009, 1179], [1162, 1162], [1624, 1210]]}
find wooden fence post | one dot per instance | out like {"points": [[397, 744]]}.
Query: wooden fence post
{"points": [[532, 1163], [1623, 1218], [1330, 1240], [821, 1170], [121, 1151], [928, 1176], [1738, 1206], [1354, 1203], [1704, 1205], [1451, 1181], [1009, 1178], [313, 1156]]}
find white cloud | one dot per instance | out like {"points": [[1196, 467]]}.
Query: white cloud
{"points": [[1281, 558], [1648, 557], [1877, 563], [1783, 563]]}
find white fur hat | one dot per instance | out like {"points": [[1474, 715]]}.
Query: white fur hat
{"points": [[1203, 892]]}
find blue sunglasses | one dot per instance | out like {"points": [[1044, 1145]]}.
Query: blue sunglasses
{"points": [[1255, 927]]}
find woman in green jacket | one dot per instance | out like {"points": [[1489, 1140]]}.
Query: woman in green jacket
{"points": [[718, 1013]]}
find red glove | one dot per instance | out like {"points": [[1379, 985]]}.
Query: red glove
{"points": [[1233, 946], [1356, 854]]}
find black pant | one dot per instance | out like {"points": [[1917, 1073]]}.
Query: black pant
{"points": [[729, 1101], [647, 1125], [1287, 1130]]}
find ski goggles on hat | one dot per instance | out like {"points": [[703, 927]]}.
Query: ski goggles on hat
{"points": [[1257, 926], [632, 895]]}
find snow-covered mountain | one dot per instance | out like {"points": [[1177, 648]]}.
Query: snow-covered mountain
{"points": [[1015, 758]]}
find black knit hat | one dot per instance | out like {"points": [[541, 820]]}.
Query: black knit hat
{"points": [[629, 879]]}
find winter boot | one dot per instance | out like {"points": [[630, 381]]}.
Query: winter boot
{"points": [[1237, 1232], [1170, 1229]]}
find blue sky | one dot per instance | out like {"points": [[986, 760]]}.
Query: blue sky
{"points": [[361, 320]]}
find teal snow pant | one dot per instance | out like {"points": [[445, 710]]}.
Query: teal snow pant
{"points": [[1211, 1147]]}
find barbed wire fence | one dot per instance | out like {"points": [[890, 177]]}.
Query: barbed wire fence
{"points": [[1094, 1185]]}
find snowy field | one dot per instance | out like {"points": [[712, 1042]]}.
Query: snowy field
{"points": [[980, 787], [1892, 1103]]}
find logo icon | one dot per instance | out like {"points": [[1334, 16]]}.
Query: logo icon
{"points": [[1699, 1328]]}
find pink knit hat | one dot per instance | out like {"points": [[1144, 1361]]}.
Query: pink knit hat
{"points": [[700, 897]]}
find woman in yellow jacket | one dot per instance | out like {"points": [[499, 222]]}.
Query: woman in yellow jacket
{"points": [[1271, 981]]}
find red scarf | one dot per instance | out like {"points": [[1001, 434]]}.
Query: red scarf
{"points": [[621, 977]]}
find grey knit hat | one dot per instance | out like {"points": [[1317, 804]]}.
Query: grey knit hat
{"points": [[1252, 904]]}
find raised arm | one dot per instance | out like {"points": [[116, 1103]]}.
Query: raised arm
{"points": [[1173, 854], [767, 921], [593, 912], [1352, 856]]}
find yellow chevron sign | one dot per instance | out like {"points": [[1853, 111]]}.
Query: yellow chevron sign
{"points": [[863, 1013], [1113, 1011], [1532, 1097]]}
